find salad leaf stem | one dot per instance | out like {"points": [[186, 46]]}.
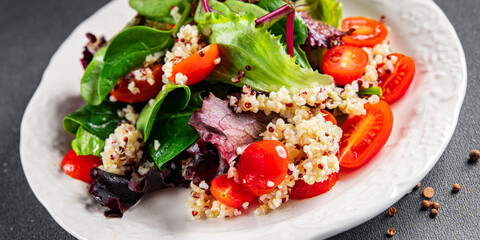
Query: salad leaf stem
{"points": [[290, 24], [205, 5], [371, 91], [275, 15]]}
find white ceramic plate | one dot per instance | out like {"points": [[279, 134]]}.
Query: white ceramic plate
{"points": [[424, 123]]}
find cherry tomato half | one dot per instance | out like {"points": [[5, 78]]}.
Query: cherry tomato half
{"points": [[146, 91], [263, 166], [345, 63], [302, 190], [368, 32], [395, 84], [329, 116], [79, 166], [197, 66], [364, 135], [230, 193]]}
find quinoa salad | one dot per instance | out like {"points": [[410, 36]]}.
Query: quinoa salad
{"points": [[248, 104]]}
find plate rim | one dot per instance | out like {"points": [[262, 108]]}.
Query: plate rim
{"points": [[358, 221]]}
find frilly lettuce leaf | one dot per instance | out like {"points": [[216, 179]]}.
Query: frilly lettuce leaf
{"points": [[300, 31], [241, 44], [214, 5]]}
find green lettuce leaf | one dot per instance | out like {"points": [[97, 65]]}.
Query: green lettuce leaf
{"points": [[243, 8], [241, 44], [86, 143], [327, 11], [100, 120], [300, 31], [217, 6]]}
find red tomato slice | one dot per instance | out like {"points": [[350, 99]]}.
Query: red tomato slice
{"points": [[345, 63], [230, 193], [146, 91], [197, 66], [302, 190], [329, 116], [262, 166], [368, 32], [395, 84], [364, 136], [79, 166]]}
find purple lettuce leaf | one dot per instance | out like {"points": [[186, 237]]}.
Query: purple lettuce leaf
{"points": [[155, 179], [206, 164], [219, 125], [111, 190], [321, 34], [119, 193], [93, 45]]}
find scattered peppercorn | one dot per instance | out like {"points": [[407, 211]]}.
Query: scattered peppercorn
{"points": [[426, 204], [417, 186], [248, 67], [428, 192], [456, 187], [202, 54], [474, 155], [435, 205], [433, 212], [391, 232], [392, 211]]}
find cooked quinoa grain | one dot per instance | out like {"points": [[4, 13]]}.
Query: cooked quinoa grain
{"points": [[203, 204], [312, 143], [128, 113], [122, 149], [189, 43]]}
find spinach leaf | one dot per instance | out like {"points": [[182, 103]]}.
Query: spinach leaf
{"points": [[100, 120], [300, 31], [327, 11], [175, 97], [271, 67], [86, 143], [214, 5], [91, 78], [174, 135], [158, 10], [125, 52], [128, 50]]}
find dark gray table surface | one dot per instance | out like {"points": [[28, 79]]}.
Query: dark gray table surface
{"points": [[30, 33]]}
